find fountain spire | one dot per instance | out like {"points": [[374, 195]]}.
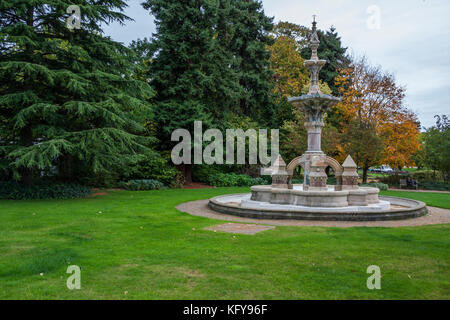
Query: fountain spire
{"points": [[314, 65]]}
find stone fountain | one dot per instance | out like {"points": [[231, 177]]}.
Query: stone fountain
{"points": [[314, 199]]}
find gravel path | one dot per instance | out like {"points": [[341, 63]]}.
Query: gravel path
{"points": [[434, 216]]}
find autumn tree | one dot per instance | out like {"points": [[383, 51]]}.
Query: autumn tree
{"points": [[401, 139], [377, 127], [289, 73]]}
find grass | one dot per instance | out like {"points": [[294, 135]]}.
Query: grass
{"points": [[441, 200], [137, 242]]}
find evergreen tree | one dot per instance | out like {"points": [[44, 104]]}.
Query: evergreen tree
{"points": [[189, 69], [248, 40], [209, 62], [67, 96]]}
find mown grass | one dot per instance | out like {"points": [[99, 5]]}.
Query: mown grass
{"points": [[137, 242], [441, 200]]}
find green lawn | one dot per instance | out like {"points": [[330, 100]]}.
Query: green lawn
{"points": [[139, 243], [440, 200]]}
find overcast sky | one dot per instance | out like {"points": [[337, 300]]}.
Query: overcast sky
{"points": [[411, 39]]}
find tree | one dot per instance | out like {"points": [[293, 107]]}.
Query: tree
{"points": [[190, 69], [289, 73], [401, 139], [67, 96], [373, 112], [437, 146], [299, 34], [209, 61], [248, 39]]}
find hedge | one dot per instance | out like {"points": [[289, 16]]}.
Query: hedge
{"points": [[17, 191]]}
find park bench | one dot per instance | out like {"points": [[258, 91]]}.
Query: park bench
{"points": [[404, 184]]}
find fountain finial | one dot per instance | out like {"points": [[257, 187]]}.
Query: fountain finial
{"points": [[314, 64]]}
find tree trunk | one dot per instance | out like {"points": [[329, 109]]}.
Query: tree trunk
{"points": [[26, 139], [65, 168], [365, 170], [186, 171]]}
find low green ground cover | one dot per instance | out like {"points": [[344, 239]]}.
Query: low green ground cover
{"points": [[136, 245]]}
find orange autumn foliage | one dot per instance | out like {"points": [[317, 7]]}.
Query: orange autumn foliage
{"points": [[373, 103]]}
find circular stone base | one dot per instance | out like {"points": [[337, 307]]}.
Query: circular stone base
{"points": [[389, 208]]}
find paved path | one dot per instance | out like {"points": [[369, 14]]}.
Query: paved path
{"points": [[434, 216]]}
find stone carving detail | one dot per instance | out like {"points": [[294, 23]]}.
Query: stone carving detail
{"points": [[350, 175], [279, 174]]}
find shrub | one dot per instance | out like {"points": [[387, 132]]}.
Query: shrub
{"points": [[17, 191], [426, 176], [393, 179], [144, 184], [153, 166], [235, 180], [379, 185], [434, 186], [202, 173]]}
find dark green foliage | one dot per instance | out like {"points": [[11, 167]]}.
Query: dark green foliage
{"points": [[244, 32], [427, 176], [235, 180], [139, 185], [437, 146], [153, 166], [187, 69], [202, 173], [435, 186], [68, 97], [208, 59], [17, 191]]}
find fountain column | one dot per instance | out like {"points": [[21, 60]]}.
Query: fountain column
{"points": [[314, 112], [314, 104]]}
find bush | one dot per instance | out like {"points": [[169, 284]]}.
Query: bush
{"points": [[144, 184], [235, 180], [17, 191], [379, 185], [434, 186], [426, 176], [392, 180], [202, 173], [154, 167]]}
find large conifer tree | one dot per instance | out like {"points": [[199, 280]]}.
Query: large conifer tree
{"points": [[248, 42], [67, 97]]}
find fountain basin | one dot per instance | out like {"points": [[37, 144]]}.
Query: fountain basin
{"points": [[388, 208], [328, 199]]}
